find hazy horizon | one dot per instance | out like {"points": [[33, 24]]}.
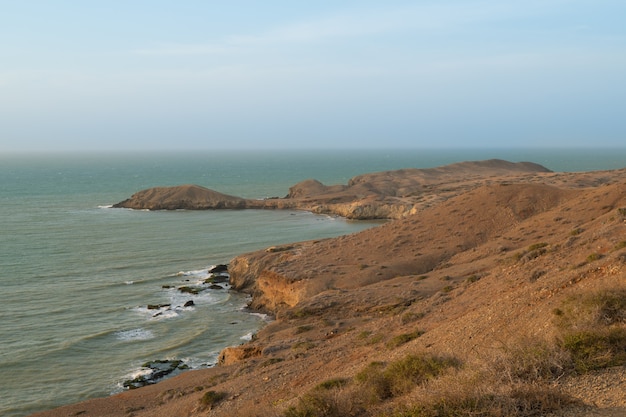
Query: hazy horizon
{"points": [[160, 76]]}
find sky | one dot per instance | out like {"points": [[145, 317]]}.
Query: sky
{"points": [[202, 75]]}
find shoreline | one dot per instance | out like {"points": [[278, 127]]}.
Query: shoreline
{"points": [[334, 297]]}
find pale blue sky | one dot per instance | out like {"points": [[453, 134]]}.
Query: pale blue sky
{"points": [[156, 74]]}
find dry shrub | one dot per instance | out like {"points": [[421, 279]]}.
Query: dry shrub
{"points": [[531, 360], [379, 382], [210, 398], [330, 399], [593, 329], [597, 349], [525, 402], [469, 392], [403, 338]]}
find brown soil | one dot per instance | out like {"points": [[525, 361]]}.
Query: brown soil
{"points": [[479, 263]]}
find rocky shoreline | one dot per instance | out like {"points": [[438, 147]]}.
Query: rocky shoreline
{"points": [[156, 370], [474, 274]]}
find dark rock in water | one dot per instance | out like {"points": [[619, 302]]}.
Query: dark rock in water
{"points": [[216, 279], [157, 306], [218, 268], [216, 287], [166, 286], [189, 290], [189, 303], [158, 369]]}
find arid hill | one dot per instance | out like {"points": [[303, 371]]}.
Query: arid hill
{"points": [[382, 195], [187, 197], [500, 295]]}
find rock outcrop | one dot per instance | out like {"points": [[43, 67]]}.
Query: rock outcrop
{"points": [[187, 197]]}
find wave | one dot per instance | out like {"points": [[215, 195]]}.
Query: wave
{"points": [[134, 335]]}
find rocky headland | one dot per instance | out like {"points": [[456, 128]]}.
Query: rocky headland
{"points": [[497, 289], [381, 195]]}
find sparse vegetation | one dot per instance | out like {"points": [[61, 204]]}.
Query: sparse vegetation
{"points": [[593, 257], [380, 382], [537, 246], [410, 317], [593, 329], [403, 338], [271, 361], [363, 335], [304, 345], [532, 252], [532, 361], [472, 278], [332, 383], [210, 398], [536, 275], [523, 402], [596, 349], [304, 329]]}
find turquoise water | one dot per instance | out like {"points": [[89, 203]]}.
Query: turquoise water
{"points": [[77, 275]]}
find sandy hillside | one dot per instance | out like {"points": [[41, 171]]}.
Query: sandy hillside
{"points": [[498, 293]]}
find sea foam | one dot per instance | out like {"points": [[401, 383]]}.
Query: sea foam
{"points": [[134, 334]]}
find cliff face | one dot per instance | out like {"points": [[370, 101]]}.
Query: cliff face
{"points": [[254, 274]]}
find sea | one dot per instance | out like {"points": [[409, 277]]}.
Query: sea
{"points": [[77, 276]]}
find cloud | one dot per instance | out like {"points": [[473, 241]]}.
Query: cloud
{"points": [[434, 18]]}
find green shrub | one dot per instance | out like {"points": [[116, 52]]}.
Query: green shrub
{"points": [[317, 404], [332, 383], [271, 361], [210, 398], [304, 345], [593, 329], [521, 402], [537, 246], [593, 257], [590, 310], [304, 329], [596, 349], [364, 335], [406, 373], [411, 317], [375, 387], [472, 278], [380, 382], [403, 338]]}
